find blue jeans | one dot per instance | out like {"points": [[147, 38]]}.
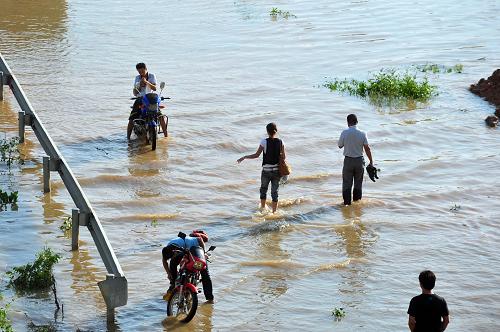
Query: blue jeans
{"points": [[265, 178]]}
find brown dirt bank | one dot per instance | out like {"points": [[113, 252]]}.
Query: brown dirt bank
{"points": [[489, 89]]}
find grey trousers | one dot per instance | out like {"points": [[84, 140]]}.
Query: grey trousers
{"points": [[265, 178], [352, 171]]}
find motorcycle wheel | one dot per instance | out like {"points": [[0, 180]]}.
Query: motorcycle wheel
{"points": [[184, 306], [152, 136]]}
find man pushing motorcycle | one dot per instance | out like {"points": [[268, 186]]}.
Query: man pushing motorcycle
{"points": [[144, 83], [172, 252]]}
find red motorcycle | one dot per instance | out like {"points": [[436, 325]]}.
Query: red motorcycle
{"points": [[183, 302]]}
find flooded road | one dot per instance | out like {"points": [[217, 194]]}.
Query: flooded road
{"points": [[230, 69]]}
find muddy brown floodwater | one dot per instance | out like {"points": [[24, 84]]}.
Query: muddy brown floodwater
{"points": [[230, 69]]}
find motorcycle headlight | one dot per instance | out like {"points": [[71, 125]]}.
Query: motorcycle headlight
{"points": [[198, 265]]}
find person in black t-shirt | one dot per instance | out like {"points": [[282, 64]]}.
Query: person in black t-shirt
{"points": [[272, 147], [427, 311]]}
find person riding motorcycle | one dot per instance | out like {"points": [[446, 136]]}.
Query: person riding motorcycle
{"points": [[196, 238], [144, 83]]}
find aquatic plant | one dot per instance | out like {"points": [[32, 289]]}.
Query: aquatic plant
{"points": [[386, 85], [66, 225], [275, 12], [154, 222], [36, 275], [436, 69], [338, 313], [6, 198], [9, 151], [41, 328]]}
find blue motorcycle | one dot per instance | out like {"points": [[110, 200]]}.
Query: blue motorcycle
{"points": [[148, 125]]}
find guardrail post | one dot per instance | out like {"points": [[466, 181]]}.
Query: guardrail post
{"points": [[22, 124], [1, 85], [46, 174], [75, 228]]}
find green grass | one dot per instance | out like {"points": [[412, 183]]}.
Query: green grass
{"points": [[37, 275], [275, 13], [386, 85]]}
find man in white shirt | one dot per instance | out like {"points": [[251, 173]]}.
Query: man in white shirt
{"points": [[353, 141], [144, 83]]}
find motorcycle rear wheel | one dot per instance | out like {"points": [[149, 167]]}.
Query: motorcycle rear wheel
{"points": [[183, 308], [152, 136]]}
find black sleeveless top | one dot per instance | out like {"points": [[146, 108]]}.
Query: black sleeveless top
{"points": [[272, 154]]}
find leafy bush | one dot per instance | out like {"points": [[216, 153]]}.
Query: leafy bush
{"points": [[5, 325], [387, 84], [36, 275], [9, 151]]}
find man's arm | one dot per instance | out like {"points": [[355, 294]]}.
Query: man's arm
{"points": [[252, 156], [446, 321], [368, 152], [412, 323], [341, 141]]}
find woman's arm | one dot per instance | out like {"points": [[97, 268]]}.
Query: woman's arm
{"points": [[252, 156]]}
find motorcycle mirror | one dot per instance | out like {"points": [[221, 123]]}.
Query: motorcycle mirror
{"points": [[162, 85], [212, 248], [181, 235]]}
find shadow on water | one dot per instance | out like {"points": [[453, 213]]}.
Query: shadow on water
{"points": [[273, 282], [357, 238], [201, 322]]}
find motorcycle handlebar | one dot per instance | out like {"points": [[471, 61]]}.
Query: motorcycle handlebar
{"points": [[162, 98]]}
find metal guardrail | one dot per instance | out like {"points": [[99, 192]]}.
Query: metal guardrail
{"points": [[114, 288]]}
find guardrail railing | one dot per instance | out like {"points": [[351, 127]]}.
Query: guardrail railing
{"points": [[114, 287]]}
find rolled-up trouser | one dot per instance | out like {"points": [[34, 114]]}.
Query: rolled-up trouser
{"points": [[352, 171], [265, 178]]}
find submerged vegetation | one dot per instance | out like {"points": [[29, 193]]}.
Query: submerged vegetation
{"points": [[6, 198], [436, 69], [37, 275], [32, 327], [275, 13], [386, 85], [66, 225], [338, 313]]}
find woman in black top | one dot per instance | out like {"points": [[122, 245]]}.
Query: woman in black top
{"points": [[271, 147]]}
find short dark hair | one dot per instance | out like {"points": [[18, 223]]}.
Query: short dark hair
{"points": [[140, 65], [271, 128], [427, 279], [352, 119]]}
